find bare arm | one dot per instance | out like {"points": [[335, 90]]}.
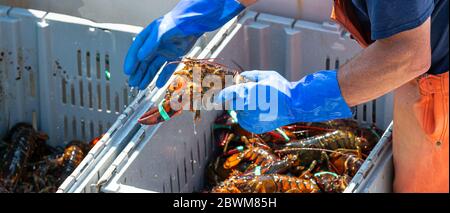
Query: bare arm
{"points": [[386, 65], [247, 2]]}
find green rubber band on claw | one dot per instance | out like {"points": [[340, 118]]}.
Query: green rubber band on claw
{"points": [[163, 112], [233, 115], [258, 171], [219, 126], [375, 133], [282, 133], [326, 173]]}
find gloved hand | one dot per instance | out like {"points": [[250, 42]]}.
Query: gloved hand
{"points": [[170, 37], [270, 101]]}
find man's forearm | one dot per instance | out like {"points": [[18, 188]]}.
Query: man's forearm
{"points": [[247, 2], [386, 65]]}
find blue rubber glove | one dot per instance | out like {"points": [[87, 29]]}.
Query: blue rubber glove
{"points": [[270, 101], [170, 37]]}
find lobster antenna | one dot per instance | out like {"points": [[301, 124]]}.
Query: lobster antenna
{"points": [[313, 149], [206, 61], [241, 69]]}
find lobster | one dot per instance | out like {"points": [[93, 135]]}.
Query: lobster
{"points": [[41, 177], [346, 161], [258, 155], [73, 154], [276, 167], [309, 148], [23, 140], [184, 85], [272, 183], [332, 183], [3, 189], [95, 141], [56, 168]]}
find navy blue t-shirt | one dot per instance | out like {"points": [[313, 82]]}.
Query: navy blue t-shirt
{"points": [[385, 18]]}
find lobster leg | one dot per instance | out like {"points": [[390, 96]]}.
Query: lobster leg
{"points": [[325, 158], [255, 142], [227, 139], [234, 160], [308, 172]]}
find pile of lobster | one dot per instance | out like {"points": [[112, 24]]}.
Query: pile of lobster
{"points": [[28, 164], [299, 158]]}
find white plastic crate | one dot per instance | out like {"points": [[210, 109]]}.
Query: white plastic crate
{"points": [[171, 157], [309, 10]]}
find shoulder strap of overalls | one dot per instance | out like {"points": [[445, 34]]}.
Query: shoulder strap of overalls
{"points": [[344, 14]]}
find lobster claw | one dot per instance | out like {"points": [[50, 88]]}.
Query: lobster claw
{"points": [[158, 114], [233, 161], [151, 117]]}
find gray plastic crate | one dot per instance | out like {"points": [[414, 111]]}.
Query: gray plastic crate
{"points": [[134, 12], [308, 10], [171, 157], [54, 74]]}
